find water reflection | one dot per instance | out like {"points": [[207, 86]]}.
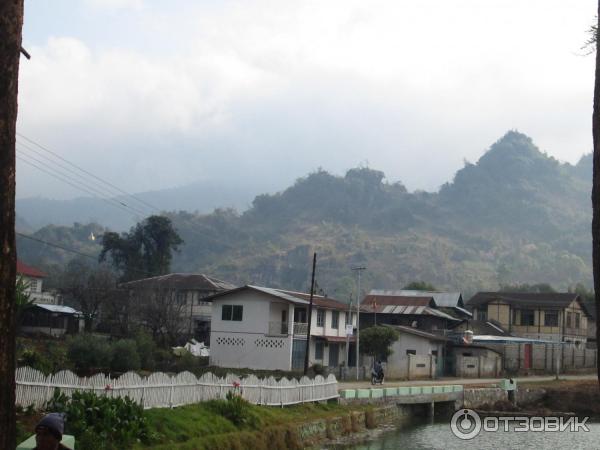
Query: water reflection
{"points": [[438, 436]]}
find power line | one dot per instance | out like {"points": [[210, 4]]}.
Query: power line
{"points": [[101, 195], [97, 187], [116, 205], [77, 252], [26, 236], [87, 172]]}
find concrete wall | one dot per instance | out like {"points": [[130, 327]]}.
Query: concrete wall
{"points": [[258, 341], [247, 343], [327, 329], [476, 362], [475, 398], [421, 364], [250, 350], [544, 358]]}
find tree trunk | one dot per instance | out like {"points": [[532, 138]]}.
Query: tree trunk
{"points": [[596, 190], [11, 23]]}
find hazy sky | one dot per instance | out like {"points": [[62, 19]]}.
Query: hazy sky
{"points": [[153, 94]]}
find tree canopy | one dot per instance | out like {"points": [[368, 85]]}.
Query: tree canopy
{"points": [[376, 341], [145, 251], [419, 286]]}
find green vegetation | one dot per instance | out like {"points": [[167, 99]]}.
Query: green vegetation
{"points": [[515, 217], [376, 341], [22, 298], [202, 426], [100, 422], [89, 353], [419, 286], [45, 355], [143, 252]]}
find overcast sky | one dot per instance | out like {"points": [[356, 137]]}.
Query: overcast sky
{"points": [[154, 94]]}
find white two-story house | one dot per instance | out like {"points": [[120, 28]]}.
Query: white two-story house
{"points": [[264, 328]]}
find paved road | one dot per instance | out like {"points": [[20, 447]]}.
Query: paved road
{"points": [[464, 381]]}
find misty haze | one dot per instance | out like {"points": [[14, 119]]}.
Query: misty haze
{"points": [[235, 220]]}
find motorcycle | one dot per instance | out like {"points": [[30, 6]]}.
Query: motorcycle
{"points": [[376, 377]]}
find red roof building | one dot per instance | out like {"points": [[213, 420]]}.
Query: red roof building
{"points": [[28, 271]]}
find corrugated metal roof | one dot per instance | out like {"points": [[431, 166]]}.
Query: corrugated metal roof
{"points": [[408, 310], [442, 299], [417, 332], [397, 300], [489, 339], [58, 308], [299, 298], [528, 299], [188, 281]]}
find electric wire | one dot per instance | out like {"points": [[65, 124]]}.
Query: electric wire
{"points": [[102, 190], [108, 183]]}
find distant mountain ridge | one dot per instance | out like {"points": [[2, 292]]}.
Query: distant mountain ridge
{"points": [[516, 216], [201, 196]]}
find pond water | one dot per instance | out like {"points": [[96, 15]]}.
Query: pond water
{"points": [[439, 436]]}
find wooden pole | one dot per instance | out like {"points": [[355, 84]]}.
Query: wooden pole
{"points": [[310, 306], [596, 184], [11, 25]]}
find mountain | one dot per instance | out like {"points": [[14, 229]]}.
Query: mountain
{"points": [[201, 196], [516, 216]]}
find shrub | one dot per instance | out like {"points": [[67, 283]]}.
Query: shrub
{"points": [[237, 410], [318, 369], [101, 423], [88, 352], [188, 362], [33, 358], [125, 356], [146, 348]]}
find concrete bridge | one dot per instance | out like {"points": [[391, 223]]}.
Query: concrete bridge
{"points": [[432, 399]]}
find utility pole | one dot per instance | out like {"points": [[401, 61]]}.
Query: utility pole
{"points": [[596, 182], [11, 25], [358, 270], [310, 306]]}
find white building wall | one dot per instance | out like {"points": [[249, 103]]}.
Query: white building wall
{"points": [[396, 366], [246, 343], [327, 329], [250, 343]]}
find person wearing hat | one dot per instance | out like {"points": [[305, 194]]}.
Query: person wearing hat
{"points": [[49, 431]]}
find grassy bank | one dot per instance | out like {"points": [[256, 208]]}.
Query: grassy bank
{"points": [[205, 426]]}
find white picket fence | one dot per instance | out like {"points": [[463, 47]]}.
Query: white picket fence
{"points": [[160, 390]]}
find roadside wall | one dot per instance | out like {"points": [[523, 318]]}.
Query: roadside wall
{"points": [[478, 366], [475, 398], [543, 358]]}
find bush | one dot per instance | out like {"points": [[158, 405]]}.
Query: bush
{"points": [[101, 423], [88, 352], [47, 356], [32, 358], [124, 356], [146, 348], [188, 362], [236, 410], [318, 369]]}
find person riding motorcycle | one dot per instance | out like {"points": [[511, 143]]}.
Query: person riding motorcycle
{"points": [[377, 371]]}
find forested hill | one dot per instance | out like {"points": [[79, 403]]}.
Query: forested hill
{"points": [[516, 216]]}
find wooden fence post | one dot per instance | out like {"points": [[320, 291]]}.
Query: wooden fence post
{"points": [[171, 395]]}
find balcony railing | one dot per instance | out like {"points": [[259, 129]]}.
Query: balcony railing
{"points": [[300, 328], [278, 328]]}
